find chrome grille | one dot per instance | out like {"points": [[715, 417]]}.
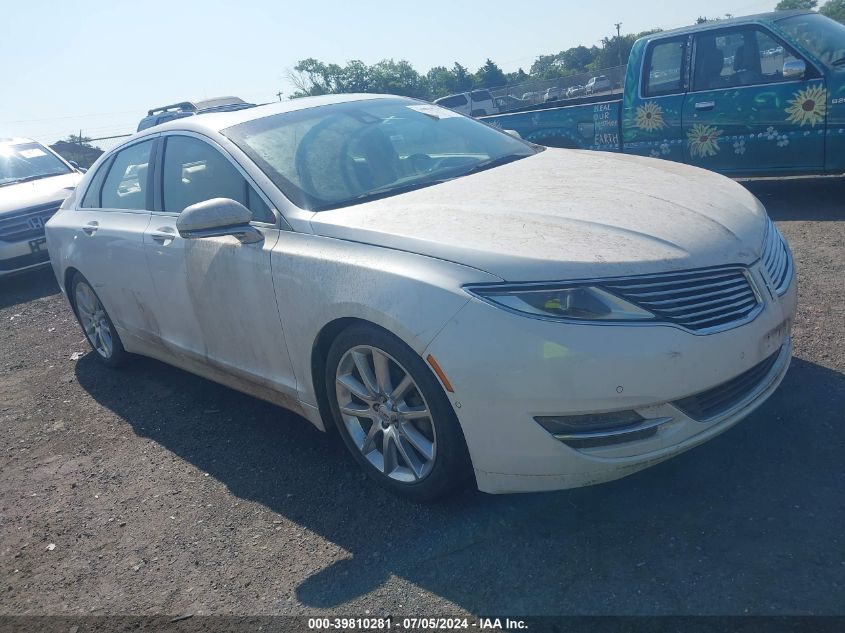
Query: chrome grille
{"points": [[776, 259], [719, 400], [716, 298], [27, 223]]}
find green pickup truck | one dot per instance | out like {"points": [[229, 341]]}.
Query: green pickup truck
{"points": [[760, 95]]}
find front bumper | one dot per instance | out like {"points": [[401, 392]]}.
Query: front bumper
{"points": [[507, 369]]}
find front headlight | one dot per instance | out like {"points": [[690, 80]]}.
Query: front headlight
{"points": [[585, 303]]}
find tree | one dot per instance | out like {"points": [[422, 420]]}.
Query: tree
{"points": [[397, 78], [520, 76], [490, 75], [789, 5], [84, 141], [835, 10], [463, 78], [441, 81], [548, 67], [578, 58]]}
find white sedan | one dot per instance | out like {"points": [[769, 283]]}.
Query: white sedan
{"points": [[460, 305]]}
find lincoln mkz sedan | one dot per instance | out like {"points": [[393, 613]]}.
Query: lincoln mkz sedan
{"points": [[460, 305]]}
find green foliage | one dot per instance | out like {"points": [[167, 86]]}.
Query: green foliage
{"points": [[490, 76], [615, 49], [85, 141], [788, 5], [834, 9]]}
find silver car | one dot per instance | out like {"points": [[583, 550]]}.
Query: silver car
{"points": [[34, 181]]}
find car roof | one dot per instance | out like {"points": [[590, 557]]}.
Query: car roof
{"points": [[216, 121], [772, 16]]}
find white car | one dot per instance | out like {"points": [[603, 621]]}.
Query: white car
{"points": [[34, 181], [458, 304], [597, 85], [475, 103]]}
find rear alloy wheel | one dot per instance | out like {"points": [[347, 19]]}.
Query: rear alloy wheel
{"points": [[393, 415], [95, 322]]}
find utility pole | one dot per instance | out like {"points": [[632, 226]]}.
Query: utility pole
{"points": [[619, 40]]}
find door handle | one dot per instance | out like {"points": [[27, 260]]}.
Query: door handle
{"points": [[705, 105], [91, 227], [163, 235]]}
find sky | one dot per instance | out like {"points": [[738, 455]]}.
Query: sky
{"points": [[97, 66]]}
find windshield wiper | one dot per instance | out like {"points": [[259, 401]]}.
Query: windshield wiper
{"points": [[383, 192], [838, 62], [390, 190]]}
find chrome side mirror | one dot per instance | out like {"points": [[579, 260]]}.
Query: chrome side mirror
{"points": [[216, 218], [794, 69]]}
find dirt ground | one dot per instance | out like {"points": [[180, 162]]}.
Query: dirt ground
{"points": [[151, 491]]}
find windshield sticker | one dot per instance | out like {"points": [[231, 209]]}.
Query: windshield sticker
{"points": [[434, 111], [31, 153]]}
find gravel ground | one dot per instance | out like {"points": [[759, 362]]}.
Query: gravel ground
{"points": [[149, 490]]}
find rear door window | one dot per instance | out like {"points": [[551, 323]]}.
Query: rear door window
{"points": [[92, 194], [665, 67], [126, 185]]}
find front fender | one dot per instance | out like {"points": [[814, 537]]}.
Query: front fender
{"points": [[318, 280]]}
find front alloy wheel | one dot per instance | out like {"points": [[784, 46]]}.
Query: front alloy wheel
{"points": [[385, 414], [393, 415]]}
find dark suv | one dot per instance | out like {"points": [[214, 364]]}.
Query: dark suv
{"points": [[190, 108]]}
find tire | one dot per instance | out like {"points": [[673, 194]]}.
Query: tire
{"points": [[96, 323], [412, 443]]}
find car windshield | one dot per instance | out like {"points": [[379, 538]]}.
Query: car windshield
{"points": [[341, 154], [823, 37], [28, 161]]}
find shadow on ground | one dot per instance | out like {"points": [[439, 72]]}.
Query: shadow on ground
{"points": [[750, 522], [27, 286], [787, 198]]}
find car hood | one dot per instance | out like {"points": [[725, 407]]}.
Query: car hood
{"points": [[37, 192], [566, 214]]}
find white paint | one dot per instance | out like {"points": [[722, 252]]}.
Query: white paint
{"points": [[248, 315]]}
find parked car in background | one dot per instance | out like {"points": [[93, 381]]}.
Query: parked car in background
{"points": [[460, 305], [597, 85], [758, 114], [474, 103], [182, 109], [575, 91], [34, 181], [552, 94], [506, 103]]}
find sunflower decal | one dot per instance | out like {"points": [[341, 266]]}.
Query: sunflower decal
{"points": [[703, 140], [808, 106], [650, 117]]}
